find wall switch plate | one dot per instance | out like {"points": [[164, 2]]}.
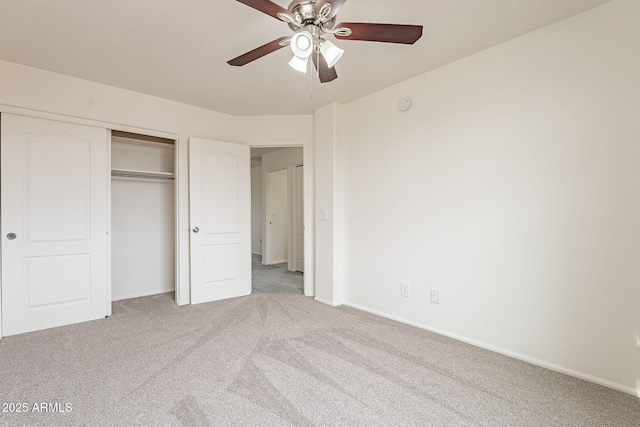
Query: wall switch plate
{"points": [[405, 289], [324, 215], [435, 296]]}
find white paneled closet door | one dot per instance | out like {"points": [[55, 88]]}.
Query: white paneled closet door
{"points": [[54, 179]]}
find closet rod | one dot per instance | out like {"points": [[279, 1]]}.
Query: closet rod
{"points": [[128, 175]]}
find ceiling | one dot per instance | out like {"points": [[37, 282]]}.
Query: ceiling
{"points": [[178, 49]]}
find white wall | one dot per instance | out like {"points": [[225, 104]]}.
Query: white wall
{"points": [[329, 200], [256, 210], [142, 237], [275, 131], [513, 187]]}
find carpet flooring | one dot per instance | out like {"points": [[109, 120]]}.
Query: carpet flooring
{"points": [[277, 359], [275, 279]]}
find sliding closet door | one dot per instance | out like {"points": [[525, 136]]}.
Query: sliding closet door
{"points": [[54, 223], [220, 209]]}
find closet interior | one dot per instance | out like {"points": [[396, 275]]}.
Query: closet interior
{"points": [[143, 253]]}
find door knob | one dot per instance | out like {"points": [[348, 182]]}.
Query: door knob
{"points": [[11, 236], [196, 229]]}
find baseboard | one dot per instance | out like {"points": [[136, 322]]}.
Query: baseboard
{"points": [[524, 358], [327, 302]]}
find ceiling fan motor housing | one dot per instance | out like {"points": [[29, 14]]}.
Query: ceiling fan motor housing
{"points": [[304, 11]]}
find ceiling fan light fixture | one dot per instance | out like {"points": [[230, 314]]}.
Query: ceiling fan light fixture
{"points": [[302, 44], [331, 53], [299, 64]]}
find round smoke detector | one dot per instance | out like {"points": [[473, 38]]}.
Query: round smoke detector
{"points": [[404, 104]]}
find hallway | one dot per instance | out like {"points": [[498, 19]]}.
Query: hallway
{"points": [[275, 279]]}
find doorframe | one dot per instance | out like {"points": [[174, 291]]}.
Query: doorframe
{"points": [[309, 208], [180, 288], [294, 226], [176, 205]]}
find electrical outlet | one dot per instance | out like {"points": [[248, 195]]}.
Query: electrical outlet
{"points": [[435, 296], [405, 289]]}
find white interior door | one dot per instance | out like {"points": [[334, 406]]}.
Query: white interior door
{"points": [[278, 217], [220, 219], [54, 179], [299, 219]]}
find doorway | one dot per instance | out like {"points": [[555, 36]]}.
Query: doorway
{"points": [[277, 214], [143, 232]]}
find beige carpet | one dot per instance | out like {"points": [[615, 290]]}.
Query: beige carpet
{"points": [[275, 279], [282, 360]]}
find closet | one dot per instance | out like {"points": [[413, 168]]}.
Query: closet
{"points": [[142, 216]]}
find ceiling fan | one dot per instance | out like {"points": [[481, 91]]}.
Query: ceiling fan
{"points": [[311, 21]]}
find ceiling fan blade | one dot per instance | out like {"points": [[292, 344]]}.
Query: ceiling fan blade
{"points": [[268, 7], [386, 33], [325, 73], [259, 52], [335, 6]]}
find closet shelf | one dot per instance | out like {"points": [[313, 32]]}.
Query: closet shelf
{"points": [[141, 174]]}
